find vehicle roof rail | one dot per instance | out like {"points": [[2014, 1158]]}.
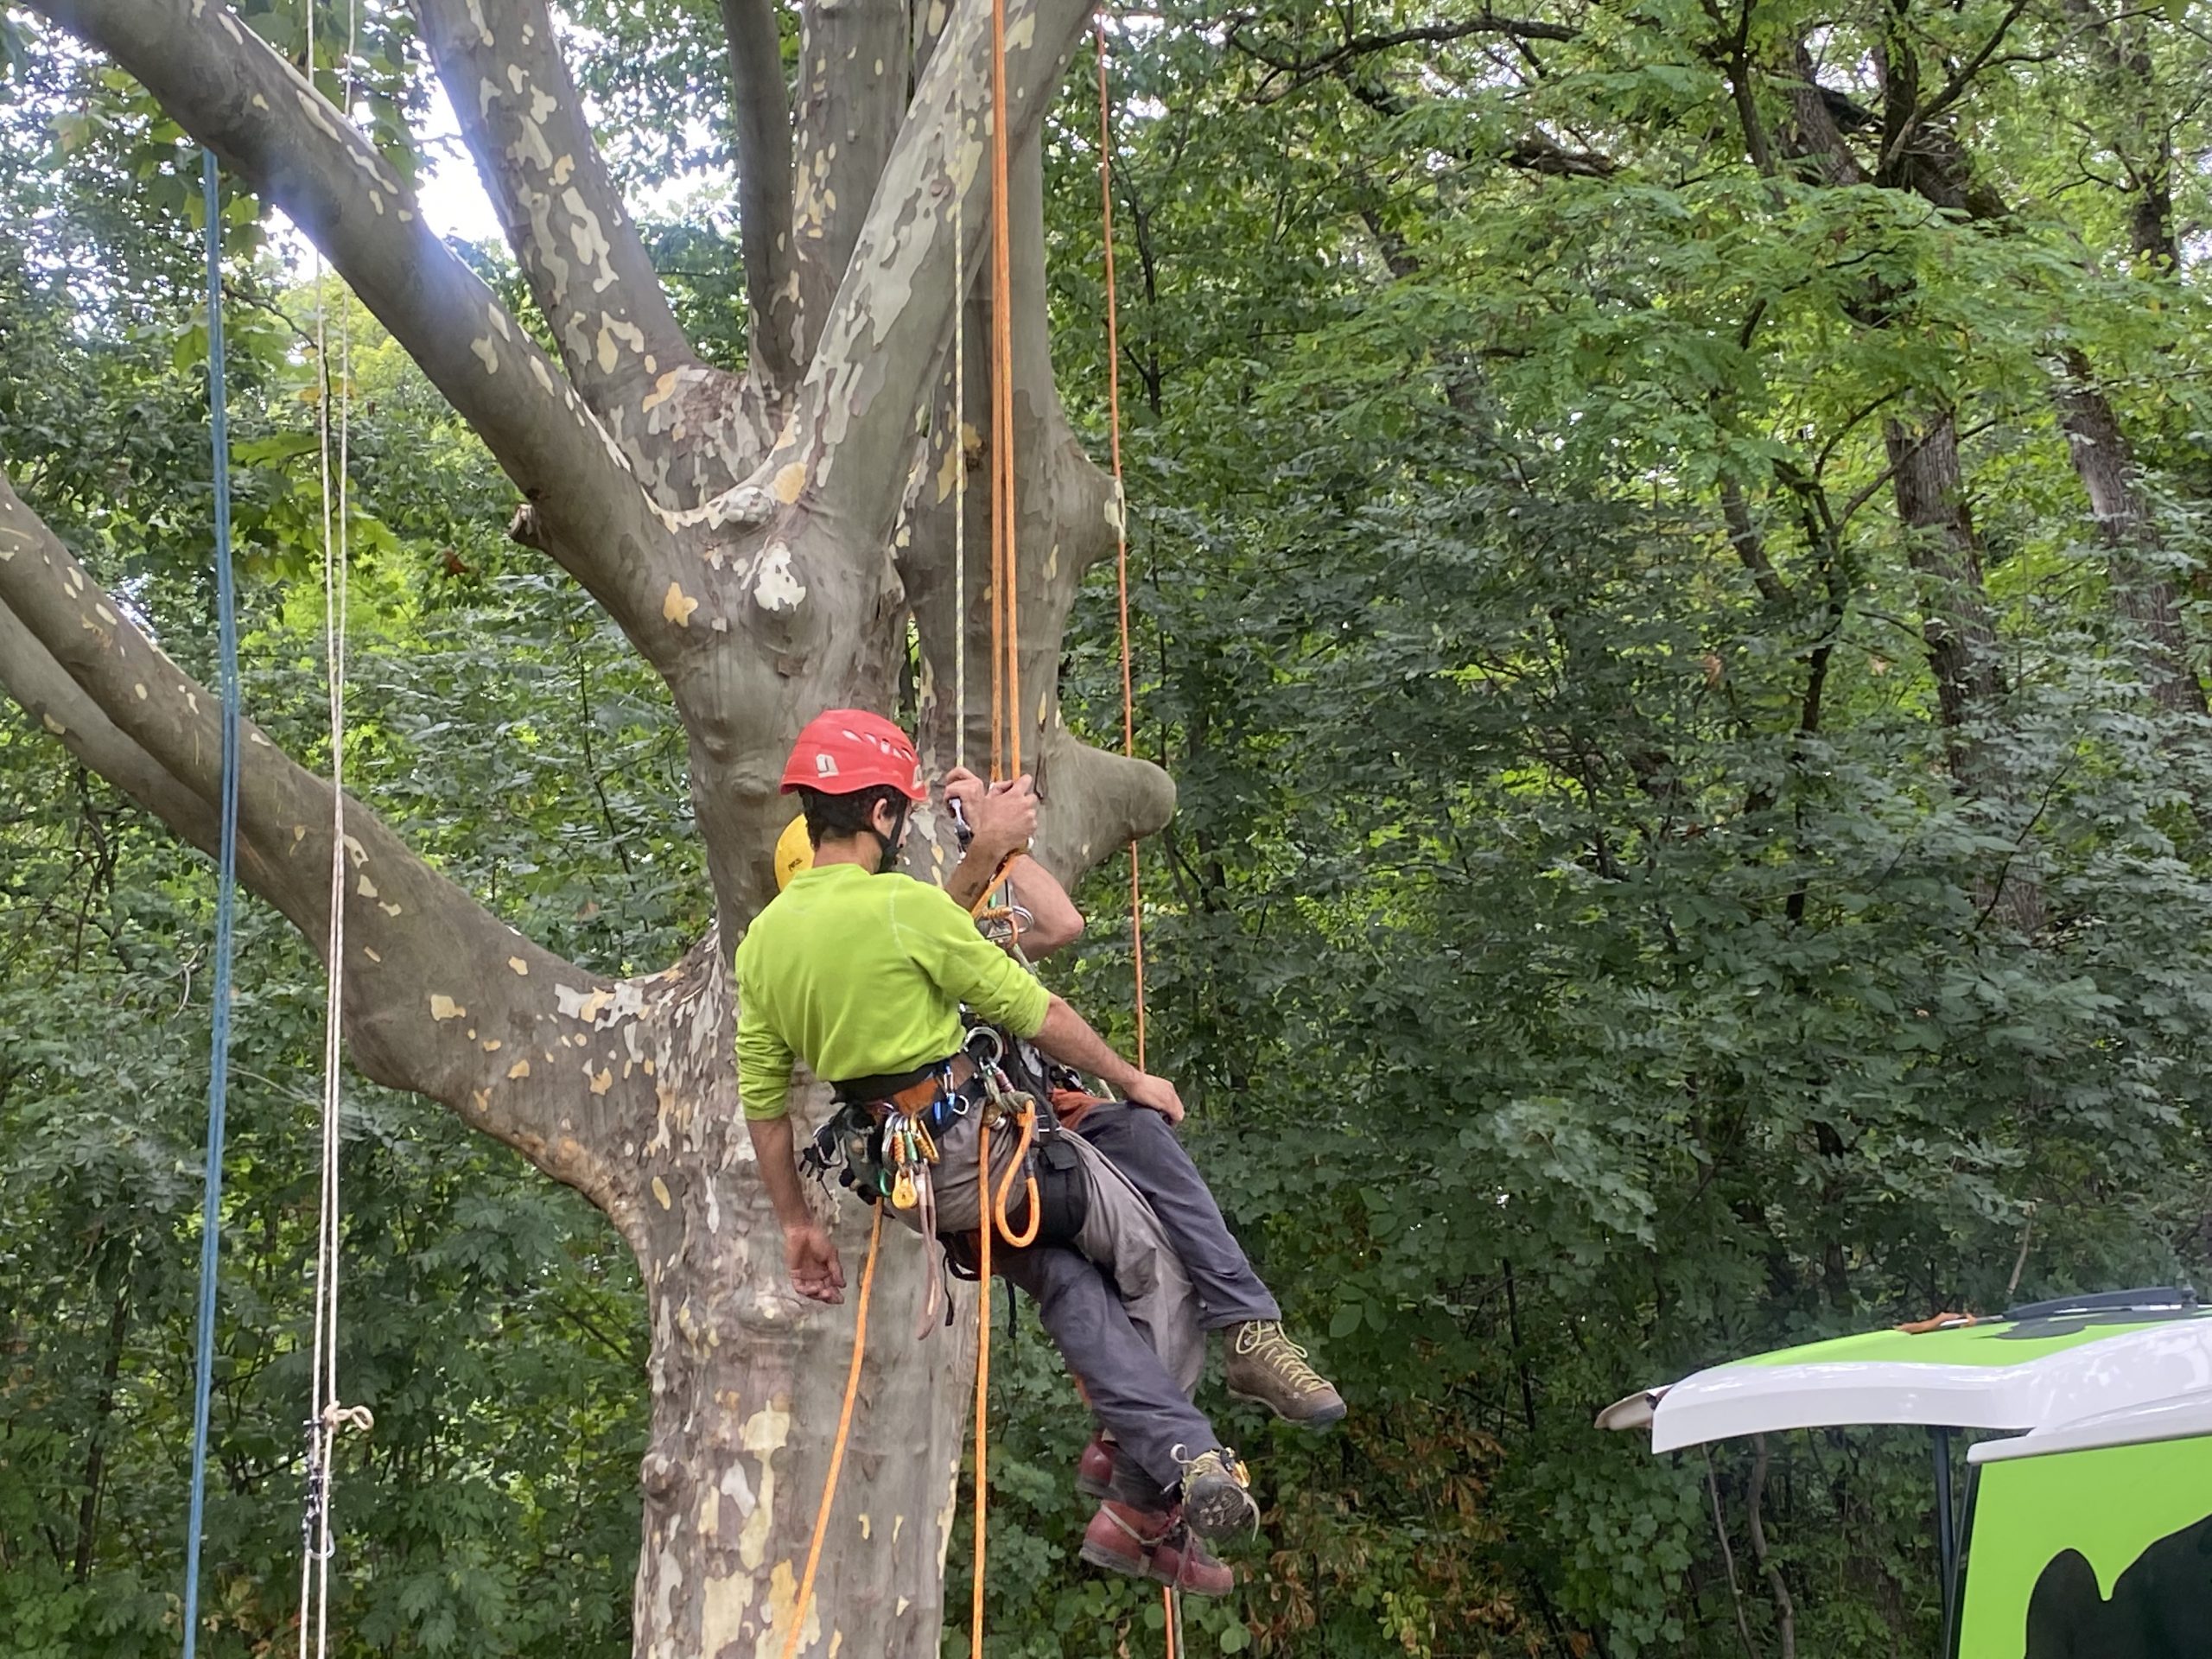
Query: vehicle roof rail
{"points": [[2107, 1302]]}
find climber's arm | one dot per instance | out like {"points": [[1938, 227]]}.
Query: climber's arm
{"points": [[1054, 922], [1068, 1038], [1003, 818]]}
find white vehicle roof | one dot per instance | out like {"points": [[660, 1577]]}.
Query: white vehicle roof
{"points": [[2063, 1379]]}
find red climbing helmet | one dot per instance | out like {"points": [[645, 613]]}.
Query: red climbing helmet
{"points": [[843, 751]]}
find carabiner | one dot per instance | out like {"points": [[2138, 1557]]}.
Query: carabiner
{"points": [[984, 1034]]}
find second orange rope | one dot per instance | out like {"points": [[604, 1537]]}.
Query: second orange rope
{"points": [[1120, 504]]}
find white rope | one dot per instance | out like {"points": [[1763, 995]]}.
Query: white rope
{"points": [[326, 1416]]}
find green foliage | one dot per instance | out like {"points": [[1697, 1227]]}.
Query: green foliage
{"points": [[1584, 962], [1588, 970], [492, 1321]]}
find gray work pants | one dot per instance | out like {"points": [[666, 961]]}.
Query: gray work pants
{"points": [[1116, 1303], [1140, 1143]]}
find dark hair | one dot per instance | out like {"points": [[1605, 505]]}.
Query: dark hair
{"points": [[839, 815]]}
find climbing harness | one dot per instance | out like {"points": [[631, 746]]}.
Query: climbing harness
{"points": [[218, 1060]]}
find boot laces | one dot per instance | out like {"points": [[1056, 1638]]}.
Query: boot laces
{"points": [[1189, 1549], [1263, 1339], [1168, 1524]]}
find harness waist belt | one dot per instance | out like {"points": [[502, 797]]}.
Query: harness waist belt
{"points": [[911, 1092]]}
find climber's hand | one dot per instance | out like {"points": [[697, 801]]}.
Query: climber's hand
{"points": [[817, 1274], [1157, 1094]]}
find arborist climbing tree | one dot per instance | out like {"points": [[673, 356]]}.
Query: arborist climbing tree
{"points": [[766, 540], [863, 973]]}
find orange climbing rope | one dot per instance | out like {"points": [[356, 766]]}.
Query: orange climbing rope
{"points": [[837, 1449], [1005, 729], [1120, 508], [1025, 1123], [1168, 1609], [1006, 604]]}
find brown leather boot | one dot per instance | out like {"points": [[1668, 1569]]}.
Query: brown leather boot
{"points": [[1121, 1537], [1156, 1545], [1094, 1470], [1181, 1561], [1268, 1367]]}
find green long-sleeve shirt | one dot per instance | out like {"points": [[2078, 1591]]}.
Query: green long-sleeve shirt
{"points": [[862, 976]]}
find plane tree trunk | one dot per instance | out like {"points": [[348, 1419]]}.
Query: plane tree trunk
{"points": [[763, 540], [1927, 486]]}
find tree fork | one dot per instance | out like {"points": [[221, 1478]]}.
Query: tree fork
{"points": [[519, 110]]}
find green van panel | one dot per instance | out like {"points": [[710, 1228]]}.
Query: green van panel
{"points": [[2103, 1555]]}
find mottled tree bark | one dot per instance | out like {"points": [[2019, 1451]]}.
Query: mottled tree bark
{"points": [[763, 540]]}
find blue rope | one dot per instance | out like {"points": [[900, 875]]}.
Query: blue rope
{"points": [[225, 870]]}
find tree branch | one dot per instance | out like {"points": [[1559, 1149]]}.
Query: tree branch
{"points": [[1961, 78], [1751, 546], [1354, 46], [442, 998], [762, 105], [845, 462], [1533, 152], [510, 87], [230, 90], [852, 90], [45, 692], [1100, 801], [1785, 1611]]}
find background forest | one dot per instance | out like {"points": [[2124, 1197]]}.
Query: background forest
{"points": [[1669, 558]]}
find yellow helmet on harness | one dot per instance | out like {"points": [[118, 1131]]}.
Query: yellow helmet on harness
{"points": [[794, 853]]}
